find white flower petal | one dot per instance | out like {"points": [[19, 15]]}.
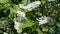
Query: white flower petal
{"points": [[43, 20], [31, 6], [5, 33]]}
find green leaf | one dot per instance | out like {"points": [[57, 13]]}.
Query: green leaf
{"points": [[52, 30], [7, 12], [45, 29], [27, 23], [15, 1], [58, 24], [12, 32], [1, 5], [4, 1], [24, 1], [15, 7], [43, 1]]}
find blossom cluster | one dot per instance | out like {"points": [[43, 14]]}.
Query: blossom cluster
{"points": [[21, 15], [51, 0], [5, 33], [17, 21], [30, 6], [42, 20]]}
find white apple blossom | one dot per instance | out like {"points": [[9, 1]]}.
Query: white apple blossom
{"points": [[25, 33], [17, 21], [19, 30], [33, 5], [17, 26], [5, 33], [21, 5], [58, 4], [20, 14], [51, 0], [43, 20], [30, 6], [37, 2]]}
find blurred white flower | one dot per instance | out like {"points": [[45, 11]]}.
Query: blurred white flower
{"points": [[30, 6], [17, 26], [58, 4], [20, 14], [51, 0], [29, 9], [43, 20], [25, 33], [17, 21], [21, 5], [5, 33], [33, 5], [19, 30], [37, 2]]}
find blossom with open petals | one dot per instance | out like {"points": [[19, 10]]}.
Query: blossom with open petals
{"points": [[43, 20]]}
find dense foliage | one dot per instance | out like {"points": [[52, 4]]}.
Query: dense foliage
{"points": [[20, 17]]}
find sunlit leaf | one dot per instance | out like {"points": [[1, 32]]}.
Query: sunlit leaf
{"points": [[24, 2], [4, 1], [27, 23]]}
